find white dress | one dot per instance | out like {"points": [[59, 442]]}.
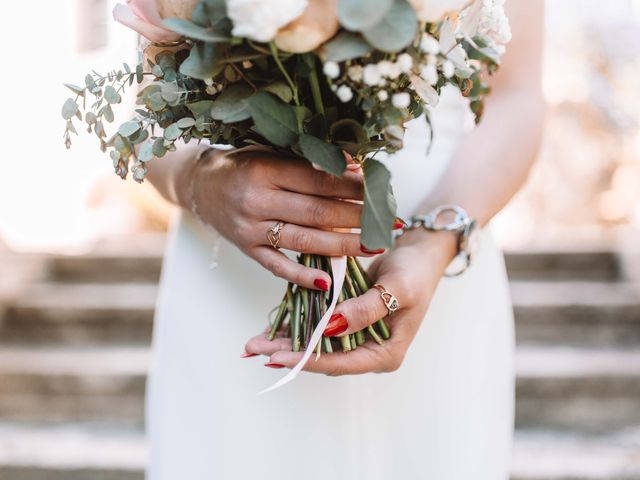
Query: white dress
{"points": [[446, 414]]}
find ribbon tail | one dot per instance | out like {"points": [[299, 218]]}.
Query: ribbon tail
{"points": [[339, 269]]}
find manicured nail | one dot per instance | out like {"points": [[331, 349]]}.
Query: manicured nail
{"points": [[371, 252], [353, 166], [398, 224], [337, 324], [274, 365], [321, 284], [248, 355]]}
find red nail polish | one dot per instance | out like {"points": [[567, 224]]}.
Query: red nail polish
{"points": [[371, 252], [274, 365], [337, 324], [398, 224], [248, 355], [321, 284]]}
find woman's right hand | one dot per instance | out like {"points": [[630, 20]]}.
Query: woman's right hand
{"points": [[244, 193]]}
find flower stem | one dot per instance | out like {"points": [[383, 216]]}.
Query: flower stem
{"points": [[314, 83], [276, 57], [296, 322]]}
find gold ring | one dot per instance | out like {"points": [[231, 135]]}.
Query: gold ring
{"points": [[390, 301], [274, 233]]}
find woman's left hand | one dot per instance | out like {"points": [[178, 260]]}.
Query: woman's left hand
{"points": [[411, 272]]}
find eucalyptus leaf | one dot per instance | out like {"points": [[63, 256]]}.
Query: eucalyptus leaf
{"points": [[396, 30], [186, 122], [172, 132], [192, 30], [358, 15], [379, 210], [327, 156], [274, 120], [203, 107], [231, 105], [75, 89], [111, 95], [280, 89], [158, 147], [202, 62], [345, 46], [146, 152], [129, 128], [107, 113], [69, 108]]}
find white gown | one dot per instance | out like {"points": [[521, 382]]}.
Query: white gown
{"points": [[446, 414]]}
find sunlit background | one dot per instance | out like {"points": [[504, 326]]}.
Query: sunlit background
{"points": [[572, 235]]}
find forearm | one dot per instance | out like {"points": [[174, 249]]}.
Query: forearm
{"points": [[171, 174], [494, 159]]}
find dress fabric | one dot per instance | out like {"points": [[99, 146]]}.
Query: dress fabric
{"points": [[446, 414]]}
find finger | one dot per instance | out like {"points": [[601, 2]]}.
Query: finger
{"points": [[360, 312], [311, 210], [303, 178], [282, 266], [356, 362], [261, 345], [310, 240]]}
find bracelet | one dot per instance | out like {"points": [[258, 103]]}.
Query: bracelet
{"points": [[462, 224]]}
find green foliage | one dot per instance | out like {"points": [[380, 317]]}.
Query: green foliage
{"points": [[358, 15], [274, 120], [379, 211], [202, 62], [326, 155], [345, 46], [396, 30]]}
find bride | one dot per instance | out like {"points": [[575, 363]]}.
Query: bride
{"points": [[436, 401]]}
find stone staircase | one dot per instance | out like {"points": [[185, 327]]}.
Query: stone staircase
{"points": [[74, 353]]}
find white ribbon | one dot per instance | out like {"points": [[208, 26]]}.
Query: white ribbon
{"points": [[339, 269]]}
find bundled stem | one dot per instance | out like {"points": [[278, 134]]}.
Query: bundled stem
{"points": [[305, 308]]}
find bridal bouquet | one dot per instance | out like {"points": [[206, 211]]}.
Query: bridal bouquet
{"points": [[325, 80]]}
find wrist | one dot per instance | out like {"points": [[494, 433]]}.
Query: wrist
{"points": [[187, 179], [437, 248]]}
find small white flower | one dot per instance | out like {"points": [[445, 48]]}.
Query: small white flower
{"points": [[405, 62], [384, 67], [401, 100], [429, 44], [355, 73], [383, 96], [371, 74], [331, 70], [448, 69], [396, 71], [344, 93], [429, 73]]}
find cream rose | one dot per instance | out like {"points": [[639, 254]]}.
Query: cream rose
{"points": [[434, 10], [146, 16], [316, 25], [260, 20]]}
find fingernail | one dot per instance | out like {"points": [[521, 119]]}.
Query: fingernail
{"points": [[398, 224], [337, 324], [321, 284], [248, 355], [371, 252], [353, 166], [274, 365]]}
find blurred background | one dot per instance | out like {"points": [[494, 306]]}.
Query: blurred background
{"points": [[80, 255]]}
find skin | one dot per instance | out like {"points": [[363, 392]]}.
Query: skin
{"points": [[259, 189]]}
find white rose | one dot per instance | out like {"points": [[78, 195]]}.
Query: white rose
{"points": [[434, 10], [260, 20]]}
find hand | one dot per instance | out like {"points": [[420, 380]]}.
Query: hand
{"points": [[411, 272], [244, 193]]}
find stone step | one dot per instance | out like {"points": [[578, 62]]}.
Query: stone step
{"points": [[563, 265], [547, 455], [577, 313], [143, 263], [591, 390], [71, 452], [81, 452], [53, 384], [81, 314]]}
